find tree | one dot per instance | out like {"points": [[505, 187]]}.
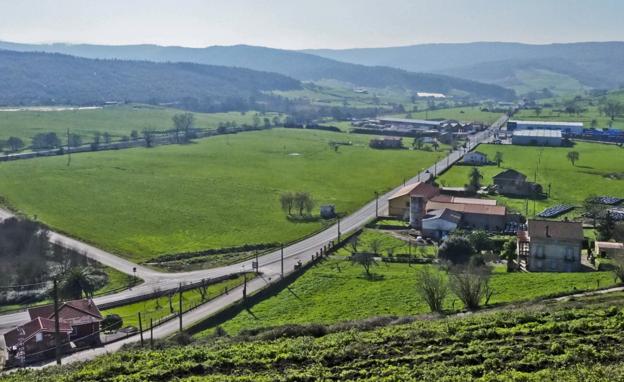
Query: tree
{"points": [[79, 282], [277, 120], [287, 201], [134, 135], [256, 120], [107, 138], [96, 141], [618, 268], [498, 158], [148, 137], [303, 201], [606, 227], [612, 109], [418, 143], [267, 122], [471, 285], [594, 123], [376, 245], [435, 145], [474, 179], [592, 208], [112, 322], [573, 156], [182, 123], [538, 111], [366, 260], [480, 240], [456, 249], [15, 144], [74, 140], [509, 253], [46, 141], [432, 287]]}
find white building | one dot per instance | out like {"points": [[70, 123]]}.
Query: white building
{"points": [[574, 128], [537, 137], [475, 158], [439, 223]]}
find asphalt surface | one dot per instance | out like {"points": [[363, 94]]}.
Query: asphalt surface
{"points": [[270, 264]]}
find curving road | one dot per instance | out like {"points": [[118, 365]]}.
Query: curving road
{"points": [[270, 264]]}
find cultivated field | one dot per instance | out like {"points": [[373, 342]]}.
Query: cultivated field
{"points": [[116, 120], [569, 184], [217, 192], [462, 113], [343, 287]]}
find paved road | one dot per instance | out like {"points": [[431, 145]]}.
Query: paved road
{"points": [[270, 264]]}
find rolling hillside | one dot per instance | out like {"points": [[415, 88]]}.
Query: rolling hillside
{"points": [[302, 66], [592, 64], [43, 78]]}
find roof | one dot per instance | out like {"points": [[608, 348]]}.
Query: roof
{"points": [[457, 199], [445, 214], [417, 189], [548, 123], [477, 153], [468, 208], [558, 230], [76, 312], [609, 245], [510, 174], [33, 327], [538, 133], [411, 121]]}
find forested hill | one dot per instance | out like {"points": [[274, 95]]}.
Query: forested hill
{"points": [[43, 78], [302, 66]]}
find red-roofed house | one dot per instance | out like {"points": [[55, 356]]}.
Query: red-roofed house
{"points": [[83, 316], [399, 203], [37, 339]]}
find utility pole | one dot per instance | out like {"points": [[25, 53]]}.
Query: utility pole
{"points": [[57, 336], [245, 287], [141, 329], [151, 333], [68, 150], [376, 204], [180, 312], [339, 230], [282, 259], [257, 263]]}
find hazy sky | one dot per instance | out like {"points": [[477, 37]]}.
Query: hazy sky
{"points": [[298, 24]]}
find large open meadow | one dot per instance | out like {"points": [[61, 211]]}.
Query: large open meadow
{"points": [[116, 120], [460, 113], [568, 184], [216, 192]]}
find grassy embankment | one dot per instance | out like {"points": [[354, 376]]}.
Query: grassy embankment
{"points": [[217, 192], [574, 341], [569, 184]]}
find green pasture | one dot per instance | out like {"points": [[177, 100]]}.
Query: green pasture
{"points": [[217, 192]]}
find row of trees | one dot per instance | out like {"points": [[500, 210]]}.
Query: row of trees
{"points": [[299, 201]]}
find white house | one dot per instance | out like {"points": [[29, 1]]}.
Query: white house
{"points": [[475, 158]]}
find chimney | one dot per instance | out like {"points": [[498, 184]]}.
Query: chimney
{"points": [[547, 231]]}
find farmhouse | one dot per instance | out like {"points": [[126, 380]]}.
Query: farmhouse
{"points": [[35, 340], [539, 137], [439, 223], [609, 249], [475, 215], [399, 203], [568, 128], [550, 246], [82, 316], [512, 182], [476, 158]]}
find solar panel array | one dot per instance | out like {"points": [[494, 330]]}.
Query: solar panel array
{"points": [[610, 200], [555, 211]]}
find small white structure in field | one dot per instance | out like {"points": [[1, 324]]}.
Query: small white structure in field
{"points": [[475, 158]]}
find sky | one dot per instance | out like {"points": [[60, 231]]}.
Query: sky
{"points": [[303, 24]]}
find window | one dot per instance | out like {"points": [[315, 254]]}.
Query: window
{"points": [[38, 337]]}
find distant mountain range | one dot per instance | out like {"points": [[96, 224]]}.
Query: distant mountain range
{"points": [[44, 78], [523, 67], [301, 66]]}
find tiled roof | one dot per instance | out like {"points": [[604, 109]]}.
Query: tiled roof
{"points": [[457, 199], [468, 208], [33, 327], [419, 188], [558, 230], [510, 174], [76, 312]]}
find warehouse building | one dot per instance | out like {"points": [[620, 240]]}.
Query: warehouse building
{"points": [[539, 137], [567, 128]]}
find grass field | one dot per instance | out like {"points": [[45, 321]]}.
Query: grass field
{"points": [[116, 120], [336, 291], [388, 244], [586, 117], [569, 184], [218, 192], [158, 308]]}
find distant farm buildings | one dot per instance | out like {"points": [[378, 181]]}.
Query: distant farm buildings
{"points": [[567, 128], [538, 137], [386, 143], [436, 214], [513, 183]]}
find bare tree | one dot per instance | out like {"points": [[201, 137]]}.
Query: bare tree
{"points": [[573, 156], [148, 136], [432, 285], [366, 260], [498, 158], [303, 201], [471, 285], [183, 123], [375, 245], [287, 201]]}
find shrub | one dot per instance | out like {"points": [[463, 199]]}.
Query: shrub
{"points": [[456, 249]]}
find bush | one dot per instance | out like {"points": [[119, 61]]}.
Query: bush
{"points": [[456, 249], [112, 322]]}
